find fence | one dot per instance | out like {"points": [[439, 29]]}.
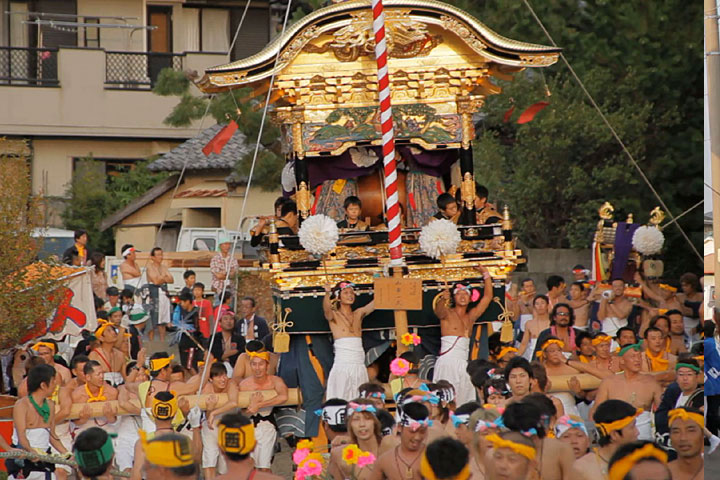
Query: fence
{"points": [[138, 70], [29, 66]]}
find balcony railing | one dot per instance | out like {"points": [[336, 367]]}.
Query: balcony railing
{"points": [[138, 70], [37, 67]]}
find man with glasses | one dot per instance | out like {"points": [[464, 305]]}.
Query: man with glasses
{"points": [[562, 320]]}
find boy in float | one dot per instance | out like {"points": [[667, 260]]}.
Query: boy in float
{"points": [[348, 371], [353, 213], [447, 208]]}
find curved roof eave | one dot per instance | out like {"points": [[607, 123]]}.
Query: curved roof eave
{"points": [[260, 66]]}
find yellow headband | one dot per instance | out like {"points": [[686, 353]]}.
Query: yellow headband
{"points": [[547, 343], [601, 339], [167, 453], [524, 450], [505, 350], [667, 287], [606, 428], [104, 324], [165, 410], [622, 467], [682, 414], [49, 345], [428, 474], [160, 363], [237, 440], [264, 355]]}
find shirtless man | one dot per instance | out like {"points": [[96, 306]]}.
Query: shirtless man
{"points": [[556, 287], [236, 437], [634, 387], [111, 360], [242, 369], [680, 341], [403, 462], [130, 270], [47, 349], [456, 323], [615, 422], [34, 418], [159, 275], [95, 390], [555, 364], [62, 424], [686, 437], [656, 359], [219, 383], [554, 458], [524, 303], [348, 371], [539, 322], [260, 409], [512, 456], [580, 305], [160, 380], [365, 432], [614, 308]]}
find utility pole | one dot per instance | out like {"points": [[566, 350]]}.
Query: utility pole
{"points": [[712, 57]]}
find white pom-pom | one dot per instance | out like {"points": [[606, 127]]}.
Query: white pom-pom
{"points": [[318, 234], [439, 237], [648, 240]]}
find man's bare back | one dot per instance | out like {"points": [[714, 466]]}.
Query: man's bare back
{"points": [[590, 467], [555, 459]]}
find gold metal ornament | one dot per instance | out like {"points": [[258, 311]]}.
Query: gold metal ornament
{"points": [[506, 332], [467, 190], [281, 339]]}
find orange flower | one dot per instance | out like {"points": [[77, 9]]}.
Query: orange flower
{"points": [[351, 453]]}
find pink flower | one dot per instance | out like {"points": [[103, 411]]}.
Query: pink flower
{"points": [[313, 467], [365, 459], [299, 455], [416, 340], [399, 367], [300, 474]]}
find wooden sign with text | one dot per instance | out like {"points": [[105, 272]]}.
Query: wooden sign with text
{"points": [[397, 293]]}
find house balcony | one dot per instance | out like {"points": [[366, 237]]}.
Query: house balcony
{"points": [[85, 92]]}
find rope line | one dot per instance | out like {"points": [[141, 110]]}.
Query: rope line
{"points": [[614, 133], [54, 459], [247, 192], [237, 30]]}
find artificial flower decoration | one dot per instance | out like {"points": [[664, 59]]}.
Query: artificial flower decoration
{"points": [[410, 339], [365, 459], [351, 454], [439, 238], [318, 234], [648, 240], [399, 367], [306, 444], [299, 455]]}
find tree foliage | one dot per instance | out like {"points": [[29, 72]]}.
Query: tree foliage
{"points": [[223, 107], [642, 62], [26, 299], [93, 196]]}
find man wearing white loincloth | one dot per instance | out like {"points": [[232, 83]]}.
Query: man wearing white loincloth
{"points": [[219, 383], [260, 409], [159, 275], [34, 421], [614, 308], [111, 360], [640, 390], [456, 323], [348, 371]]}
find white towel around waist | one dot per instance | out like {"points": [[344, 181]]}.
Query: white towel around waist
{"points": [[452, 346], [38, 438], [349, 350]]}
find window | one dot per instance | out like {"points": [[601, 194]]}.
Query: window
{"points": [[92, 34], [106, 168]]}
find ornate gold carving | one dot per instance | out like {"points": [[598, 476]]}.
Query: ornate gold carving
{"points": [[656, 216], [539, 60], [606, 211], [302, 197], [467, 190], [297, 45], [406, 38], [468, 130], [297, 139], [464, 32]]}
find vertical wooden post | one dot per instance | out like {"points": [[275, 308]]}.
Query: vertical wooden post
{"points": [[712, 57], [401, 323]]}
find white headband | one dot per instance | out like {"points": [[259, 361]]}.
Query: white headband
{"points": [[333, 414], [128, 251]]}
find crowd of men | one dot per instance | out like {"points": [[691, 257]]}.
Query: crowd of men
{"points": [[598, 382]]}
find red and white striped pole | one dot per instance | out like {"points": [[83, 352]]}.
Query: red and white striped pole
{"points": [[388, 136]]}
